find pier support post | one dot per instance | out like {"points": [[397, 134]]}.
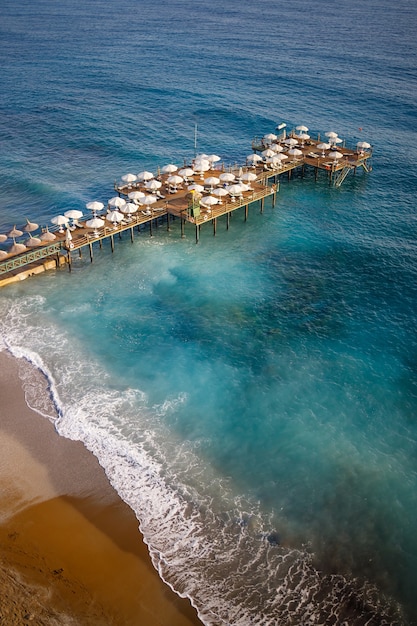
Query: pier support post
{"points": [[69, 261], [112, 243], [150, 228], [246, 211], [131, 234], [168, 222], [214, 226], [262, 204], [227, 220], [316, 170], [80, 253], [197, 233], [182, 228], [100, 243], [90, 245]]}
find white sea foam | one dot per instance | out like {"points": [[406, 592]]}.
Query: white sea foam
{"points": [[207, 541]]}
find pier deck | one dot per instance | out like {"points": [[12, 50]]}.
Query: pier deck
{"points": [[176, 204]]}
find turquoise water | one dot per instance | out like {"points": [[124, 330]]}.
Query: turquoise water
{"points": [[252, 397]]}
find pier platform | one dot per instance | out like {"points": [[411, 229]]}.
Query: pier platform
{"points": [[261, 176]]}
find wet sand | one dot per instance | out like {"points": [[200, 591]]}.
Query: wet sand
{"points": [[70, 549]]}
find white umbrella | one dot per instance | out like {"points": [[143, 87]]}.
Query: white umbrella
{"points": [[363, 145], [150, 199], [32, 242], [267, 153], [331, 134], [175, 180], [270, 137], [249, 176], [129, 178], [15, 232], [47, 236], [212, 181], [227, 177], [117, 202], [114, 217], [136, 195], [323, 147], [3, 238], [236, 189], [291, 141], [335, 140], [16, 248], [303, 137], [186, 172], [196, 187], [295, 152], [276, 147], [253, 158], [201, 156], [74, 214], [60, 220], [95, 222], [30, 226], [201, 165], [275, 161], [335, 155], [129, 208], [220, 192], [145, 175], [209, 200], [280, 157], [153, 185], [169, 169], [94, 206], [213, 158], [68, 238], [302, 128]]}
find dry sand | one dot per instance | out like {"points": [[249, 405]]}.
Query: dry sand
{"points": [[70, 549]]}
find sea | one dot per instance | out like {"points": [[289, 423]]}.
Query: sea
{"points": [[252, 397]]}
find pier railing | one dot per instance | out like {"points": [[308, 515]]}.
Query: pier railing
{"points": [[17, 262]]}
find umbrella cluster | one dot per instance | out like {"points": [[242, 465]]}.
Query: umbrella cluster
{"points": [[17, 247]]}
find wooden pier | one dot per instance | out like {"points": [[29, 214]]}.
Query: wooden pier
{"points": [[179, 204]]}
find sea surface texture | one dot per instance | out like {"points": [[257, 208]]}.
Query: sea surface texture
{"points": [[253, 397]]}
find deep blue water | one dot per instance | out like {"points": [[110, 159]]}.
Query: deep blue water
{"points": [[253, 397]]}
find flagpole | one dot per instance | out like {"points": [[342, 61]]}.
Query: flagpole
{"points": [[195, 139]]}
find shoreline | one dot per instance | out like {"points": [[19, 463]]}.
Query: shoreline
{"points": [[71, 549]]}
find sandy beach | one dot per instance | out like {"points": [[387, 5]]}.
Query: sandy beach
{"points": [[71, 552]]}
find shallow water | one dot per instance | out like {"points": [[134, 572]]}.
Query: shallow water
{"points": [[252, 397]]}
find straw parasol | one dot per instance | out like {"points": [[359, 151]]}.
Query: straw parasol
{"points": [[32, 242], [30, 226], [15, 232], [47, 236], [17, 248]]}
